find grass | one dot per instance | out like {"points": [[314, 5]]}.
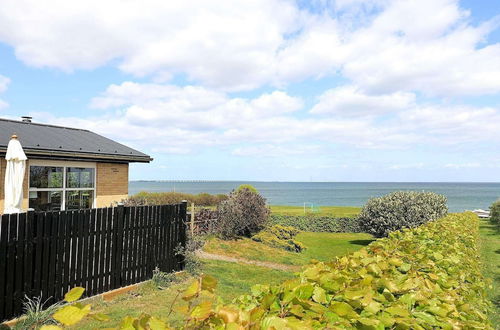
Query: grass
{"points": [[336, 211], [234, 280], [319, 246], [490, 253]]}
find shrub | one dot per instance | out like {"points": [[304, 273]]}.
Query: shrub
{"points": [[161, 198], [402, 209], [317, 223], [280, 237], [247, 187], [244, 213], [495, 212]]}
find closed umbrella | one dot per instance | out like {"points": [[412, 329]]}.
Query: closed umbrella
{"points": [[14, 176]]}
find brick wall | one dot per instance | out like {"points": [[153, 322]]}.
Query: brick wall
{"points": [[112, 183]]}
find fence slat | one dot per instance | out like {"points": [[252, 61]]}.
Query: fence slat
{"points": [[135, 234], [19, 270], [52, 244], [86, 257], [59, 263], [4, 235]]}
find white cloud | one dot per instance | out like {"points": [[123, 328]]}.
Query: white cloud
{"points": [[172, 119], [273, 150], [464, 165], [4, 83], [406, 166], [382, 46], [350, 101]]}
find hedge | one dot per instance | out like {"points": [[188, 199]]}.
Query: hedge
{"points": [[316, 223], [421, 278]]}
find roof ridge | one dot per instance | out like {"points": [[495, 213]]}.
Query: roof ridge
{"points": [[46, 125]]}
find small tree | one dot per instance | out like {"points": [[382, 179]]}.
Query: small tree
{"points": [[244, 213]]}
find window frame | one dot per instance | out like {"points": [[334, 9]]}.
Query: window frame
{"points": [[64, 189]]}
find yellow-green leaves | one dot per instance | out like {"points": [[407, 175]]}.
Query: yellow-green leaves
{"points": [[71, 314], [208, 283], [74, 294]]}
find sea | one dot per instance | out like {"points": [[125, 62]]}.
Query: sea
{"points": [[461, 196]]}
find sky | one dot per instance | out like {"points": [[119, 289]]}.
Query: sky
{"points": [[266, 90]]}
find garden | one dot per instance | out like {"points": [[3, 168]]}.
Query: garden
{"points": [[399, 262]]}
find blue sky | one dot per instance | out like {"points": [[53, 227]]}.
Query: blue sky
{"points": [[275, 90]]}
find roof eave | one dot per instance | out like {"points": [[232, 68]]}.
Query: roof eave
{"points": [[84, 156]]}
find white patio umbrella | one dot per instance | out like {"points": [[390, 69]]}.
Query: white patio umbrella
{"points": [[14, 176]]}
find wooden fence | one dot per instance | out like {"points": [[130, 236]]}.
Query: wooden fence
{"points": [[48, 253]]}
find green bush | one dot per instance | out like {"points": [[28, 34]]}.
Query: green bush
{"points": [[427, 277], [161, 198], [244, 213], [495, 212], [317, 223], [401, 209], [280, 237]]}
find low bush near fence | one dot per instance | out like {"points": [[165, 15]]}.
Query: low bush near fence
{"points": [[495, 212], [401, 209], [317, 223], [422, 278], [162, 198]]}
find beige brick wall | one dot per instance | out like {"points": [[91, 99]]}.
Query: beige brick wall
{"points": [[112, 183], [3, 165]]}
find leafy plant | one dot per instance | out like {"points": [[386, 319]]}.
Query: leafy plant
{"points": [[162, 279], [316, 223], [495, 212], [244, 213], [401, 209], [280, 237], [74, 311], [35, 314]]}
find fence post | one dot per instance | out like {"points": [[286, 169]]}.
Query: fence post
{"points": [[183, 230], [192, 219]]}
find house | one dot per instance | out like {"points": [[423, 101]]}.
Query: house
{"points": [[68, 168]]}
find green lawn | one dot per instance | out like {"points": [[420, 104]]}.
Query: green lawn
{"points": [[336, 211], [490, 253], [319, 246], [233, 281]]}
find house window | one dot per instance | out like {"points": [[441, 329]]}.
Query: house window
{"points": [[62, 186]]}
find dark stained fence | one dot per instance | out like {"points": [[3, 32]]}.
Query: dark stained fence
{"points": [[48, 253]]}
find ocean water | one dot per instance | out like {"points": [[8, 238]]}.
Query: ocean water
{"points": [[461, 196]]}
